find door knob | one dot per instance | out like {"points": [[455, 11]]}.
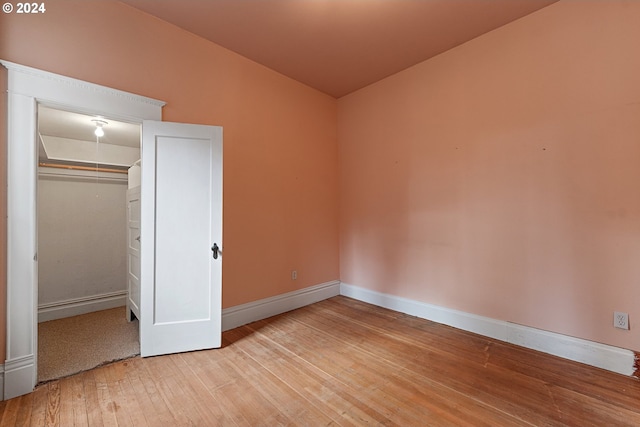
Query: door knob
{"points": [[215, 250]]}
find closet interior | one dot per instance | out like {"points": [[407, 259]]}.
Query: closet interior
{"points": [[88, 240]]}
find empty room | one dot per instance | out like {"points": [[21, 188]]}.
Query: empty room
{"points": [[430, 210]]}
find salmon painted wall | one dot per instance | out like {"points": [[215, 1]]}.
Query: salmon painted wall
{"points": [[280, 143], [502, 178]]}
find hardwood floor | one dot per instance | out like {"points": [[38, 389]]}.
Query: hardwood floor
{"points": [[339, 362]]}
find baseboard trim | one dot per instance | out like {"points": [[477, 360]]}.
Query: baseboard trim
{"points": [[579, 350], [76, 306], [239, 315], [19, 376]]}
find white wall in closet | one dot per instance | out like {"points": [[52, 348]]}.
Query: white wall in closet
{"points": [[81, 242]]}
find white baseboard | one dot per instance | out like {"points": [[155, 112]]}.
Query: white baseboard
{"points": [[239, 315], [19, 376], [76, 306], [588, 352]]}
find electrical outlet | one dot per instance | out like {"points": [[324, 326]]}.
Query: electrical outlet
{"points": [[621, 320], [294, 274]]}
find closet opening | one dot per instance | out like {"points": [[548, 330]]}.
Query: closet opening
{"points": [[88, 194]]}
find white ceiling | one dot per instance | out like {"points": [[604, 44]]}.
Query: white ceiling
{"points": [[69, 138], [65, 124]]}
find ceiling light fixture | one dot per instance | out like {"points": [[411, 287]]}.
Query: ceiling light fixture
{"points": [[99, 125]]}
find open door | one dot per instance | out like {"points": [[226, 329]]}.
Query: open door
{"points": [[181, 238]]}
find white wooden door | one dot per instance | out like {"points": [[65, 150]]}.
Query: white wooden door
{"points": [[133, 252], [181, 282]]}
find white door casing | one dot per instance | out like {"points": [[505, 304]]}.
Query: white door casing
{"points": [[181, 291]]}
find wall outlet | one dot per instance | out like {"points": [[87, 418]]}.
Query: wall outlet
{"points": [[621, 320], [294, 274]]}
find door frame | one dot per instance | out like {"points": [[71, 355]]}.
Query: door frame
{"points": [[28, 87]]}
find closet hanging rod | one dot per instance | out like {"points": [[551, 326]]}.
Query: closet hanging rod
{"points": [[81, 168]]}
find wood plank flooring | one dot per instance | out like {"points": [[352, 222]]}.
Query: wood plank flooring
{"points": [[339, 362]]}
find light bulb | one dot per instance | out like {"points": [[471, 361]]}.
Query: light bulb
{"points": [[99, 125]]}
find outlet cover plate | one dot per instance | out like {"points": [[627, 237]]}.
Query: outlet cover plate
{"points": [[621, 320]]}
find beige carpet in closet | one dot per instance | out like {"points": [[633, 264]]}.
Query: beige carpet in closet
{"points": [[75, 344]]}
